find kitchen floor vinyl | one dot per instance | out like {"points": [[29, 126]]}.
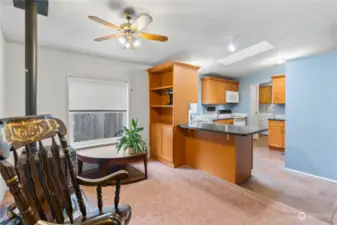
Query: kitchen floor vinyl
{"points": [[314, 196]]}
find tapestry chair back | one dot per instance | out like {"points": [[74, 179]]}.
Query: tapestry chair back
{"points": [[39, 183]]}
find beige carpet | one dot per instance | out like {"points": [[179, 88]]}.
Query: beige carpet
{"points": [[187, 196]]}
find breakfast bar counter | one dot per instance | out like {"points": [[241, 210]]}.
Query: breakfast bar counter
{"points": [[225, 151]]}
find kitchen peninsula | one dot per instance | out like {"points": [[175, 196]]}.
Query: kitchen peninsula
{"points": [[225, 151]]}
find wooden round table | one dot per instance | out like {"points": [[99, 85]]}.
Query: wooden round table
{"points": [[110, 161]]}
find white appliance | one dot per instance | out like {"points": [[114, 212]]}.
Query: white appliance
{"points": [[232, 97], [239, 118], [240, 121], [263, 120]]}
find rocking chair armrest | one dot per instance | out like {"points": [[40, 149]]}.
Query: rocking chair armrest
{"points": [[10, 210], [104, 180]]}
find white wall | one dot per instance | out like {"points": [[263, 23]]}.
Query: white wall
{"points": [[3, 187], [53, 68]]}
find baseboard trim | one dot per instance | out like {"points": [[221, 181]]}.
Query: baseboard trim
{"points": [[311, 175]]}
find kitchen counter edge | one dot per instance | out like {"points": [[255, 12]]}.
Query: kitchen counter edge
{"points": [[230, 118], [277, 119], [226, 129]]}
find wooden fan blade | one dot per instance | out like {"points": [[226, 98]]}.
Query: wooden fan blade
{"points": [[98, 20], [154, 37], [142, 22], [108, 37]]}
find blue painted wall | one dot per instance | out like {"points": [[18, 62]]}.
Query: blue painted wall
{"points": [[311, 127], [262, 76]]}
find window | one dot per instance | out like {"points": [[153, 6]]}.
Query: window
{"points": [[97, 111]]}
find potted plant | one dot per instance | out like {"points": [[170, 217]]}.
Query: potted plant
{"points": [[131, 140]]}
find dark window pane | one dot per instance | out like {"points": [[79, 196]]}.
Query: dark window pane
{"points": [[97, 125]]}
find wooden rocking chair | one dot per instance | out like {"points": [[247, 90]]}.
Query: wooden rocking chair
{"points": [[26, 181]]}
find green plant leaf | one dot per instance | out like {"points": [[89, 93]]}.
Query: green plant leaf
{"points": [[134, 123], [132, 139], [139, 129]]}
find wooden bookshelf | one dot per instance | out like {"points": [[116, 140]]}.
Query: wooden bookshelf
{"points": [[162, 88], [182, 79], [161, 106]]}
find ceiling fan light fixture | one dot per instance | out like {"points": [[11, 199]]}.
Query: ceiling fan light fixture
{"points": [[136, 43], [127, 45], [122, 40], [130, 31]]}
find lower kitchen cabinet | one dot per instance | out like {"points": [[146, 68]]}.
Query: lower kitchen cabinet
{"points": [[155, 139], [276, 134], [224, 121], [167, 143], [161, 142]]}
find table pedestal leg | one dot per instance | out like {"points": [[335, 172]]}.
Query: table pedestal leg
{"points": [[103, 168], [145, 166], [79, 166]]}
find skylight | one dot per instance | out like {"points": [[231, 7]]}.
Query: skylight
{"points": [[246, 53]]}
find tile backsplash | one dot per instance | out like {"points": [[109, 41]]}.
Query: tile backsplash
{"points": [[218, 107], [272, 108]]}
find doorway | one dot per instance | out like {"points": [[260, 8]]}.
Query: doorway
{"points": [[254, 107]]}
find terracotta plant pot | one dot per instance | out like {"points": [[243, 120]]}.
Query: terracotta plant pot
{"points": [[132, 151]]}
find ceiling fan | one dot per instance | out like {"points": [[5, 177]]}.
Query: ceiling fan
{"points": [[130, 31]]}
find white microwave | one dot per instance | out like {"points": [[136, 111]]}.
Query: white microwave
{"points": [[232, 97]]}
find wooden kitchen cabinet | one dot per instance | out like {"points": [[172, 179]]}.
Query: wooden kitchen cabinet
{"points": [[232, 85], [213, 89], [276, 134], [155, 139], [224, 121], [279, 89], [161, 142], [265, 93], [213, 92], [167, 143]]}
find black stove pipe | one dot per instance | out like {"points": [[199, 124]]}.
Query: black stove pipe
{"points": [[32, 8], [31, 57]]}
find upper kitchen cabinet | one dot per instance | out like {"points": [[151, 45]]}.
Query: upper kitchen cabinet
{"points": [[265, 93], [279, 89], [214, 90]]}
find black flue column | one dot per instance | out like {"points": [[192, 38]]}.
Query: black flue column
{"points": [[31, 57], [32, 9]]}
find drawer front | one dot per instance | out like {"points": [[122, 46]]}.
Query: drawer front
{"points": [[276, 137], [224, 121]]}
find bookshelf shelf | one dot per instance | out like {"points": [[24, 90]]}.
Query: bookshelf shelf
{"points": [[161, 106], [162, 88]]}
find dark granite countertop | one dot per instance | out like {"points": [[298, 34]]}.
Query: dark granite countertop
{"points": [[277, 119], [226, 129], [230, 118]]}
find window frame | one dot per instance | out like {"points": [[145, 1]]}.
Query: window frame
{"points": [[97, 142]]}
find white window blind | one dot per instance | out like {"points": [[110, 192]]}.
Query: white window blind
{"points": [[87, 95], [97, 111]]}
